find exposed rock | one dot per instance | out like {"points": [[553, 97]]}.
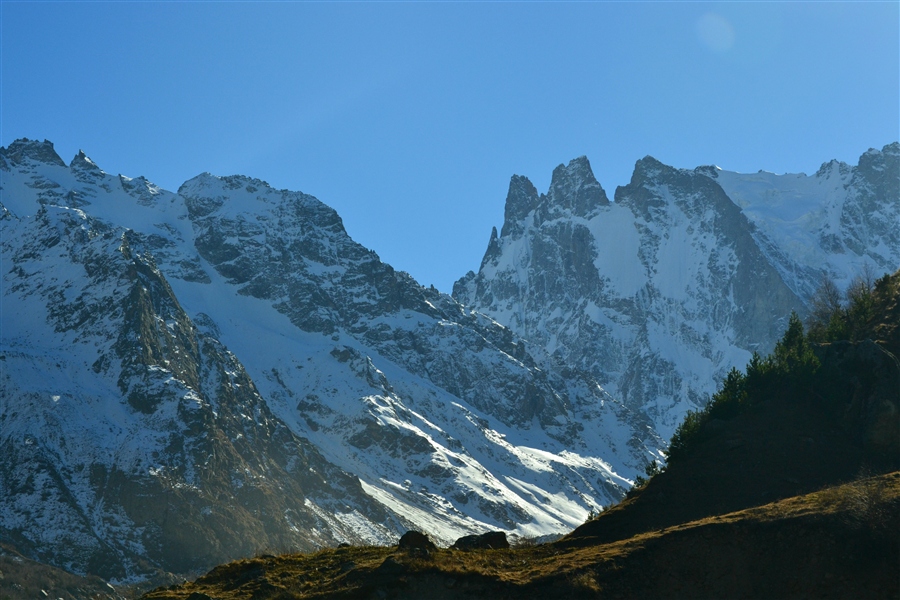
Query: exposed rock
{"points": [[660, 293], [23, 150], [492, 540], [201, 471], [416, 540]]}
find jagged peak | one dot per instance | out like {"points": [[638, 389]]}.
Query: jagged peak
{"points": [[205, 181], [574, 187], [493, 249], [139, 183], [521, 199], [647, 167], [891, 149], [239, 194], [831, 166], [579, 167], [23, 150], [711, 171], [697, 187], [82, 162], [875, 161]]}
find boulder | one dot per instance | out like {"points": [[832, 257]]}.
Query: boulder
{"points": [[492, 540], [416, 540]]}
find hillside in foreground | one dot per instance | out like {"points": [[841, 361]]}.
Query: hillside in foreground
{"points": [[785, 485], [845, 534]]}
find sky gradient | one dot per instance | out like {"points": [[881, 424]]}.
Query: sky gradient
{"points": [[409, 118]]}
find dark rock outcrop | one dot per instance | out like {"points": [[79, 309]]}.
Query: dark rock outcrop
{"points": [[492, 540], [416, 540]]}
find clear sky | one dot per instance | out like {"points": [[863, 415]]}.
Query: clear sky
{"points": [[410, 117]]}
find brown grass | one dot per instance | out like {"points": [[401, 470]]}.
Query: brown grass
{"points": [[830, 543], [23, 579]]}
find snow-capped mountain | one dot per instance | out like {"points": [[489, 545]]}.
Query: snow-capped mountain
{"points": [[659, 293], [833, 223], [195, 376]]}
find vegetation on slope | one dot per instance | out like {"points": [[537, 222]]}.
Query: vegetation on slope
{"points": [[807, 416], [794, 371], [845, 534]]}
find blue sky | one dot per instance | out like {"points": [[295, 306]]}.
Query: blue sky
{"points": [[409, 118]]}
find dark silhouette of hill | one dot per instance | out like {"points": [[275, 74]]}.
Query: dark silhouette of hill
{"points": [[840, 542], [808, 416]]}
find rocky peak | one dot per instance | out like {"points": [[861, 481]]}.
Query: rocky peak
{"points": [[206, 181], [238, 196], [637, 195], [141, 189], [648, 168], [573, 190], [23, 150], [573, 187], [833, 166], [882, 167], [711, 171], [521, 199], [493, 249], [654, 184], [83, 163]]}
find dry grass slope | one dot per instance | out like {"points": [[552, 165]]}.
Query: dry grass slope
{"points": [[839, 542]]}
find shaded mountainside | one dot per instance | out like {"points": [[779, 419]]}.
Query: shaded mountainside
{"points": [[784, 486], [805, 417], [24, 579]]}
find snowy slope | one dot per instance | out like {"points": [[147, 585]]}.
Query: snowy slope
{"points": [[661, 292], [133, 443], [835, 223], [235, 308]]}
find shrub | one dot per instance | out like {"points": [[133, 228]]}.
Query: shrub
{"points": [[686, 434], [651, 469]]}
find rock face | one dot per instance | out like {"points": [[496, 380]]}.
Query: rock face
{"points": [[660, 293], [832, 223], [132, 441], [197, 376]]}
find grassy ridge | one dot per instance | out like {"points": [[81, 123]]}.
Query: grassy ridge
{"points": [[835, 543]]}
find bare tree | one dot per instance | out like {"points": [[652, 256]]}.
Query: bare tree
{"points": [[826, 306]]}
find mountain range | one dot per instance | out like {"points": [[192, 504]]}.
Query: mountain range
{"points": [[194, 376], [686, 274]]}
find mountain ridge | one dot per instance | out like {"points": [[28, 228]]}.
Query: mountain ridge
{"points": [[659, 293], [230, 295]]}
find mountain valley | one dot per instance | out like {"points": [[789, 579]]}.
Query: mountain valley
{"points": [[199, 376]]}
